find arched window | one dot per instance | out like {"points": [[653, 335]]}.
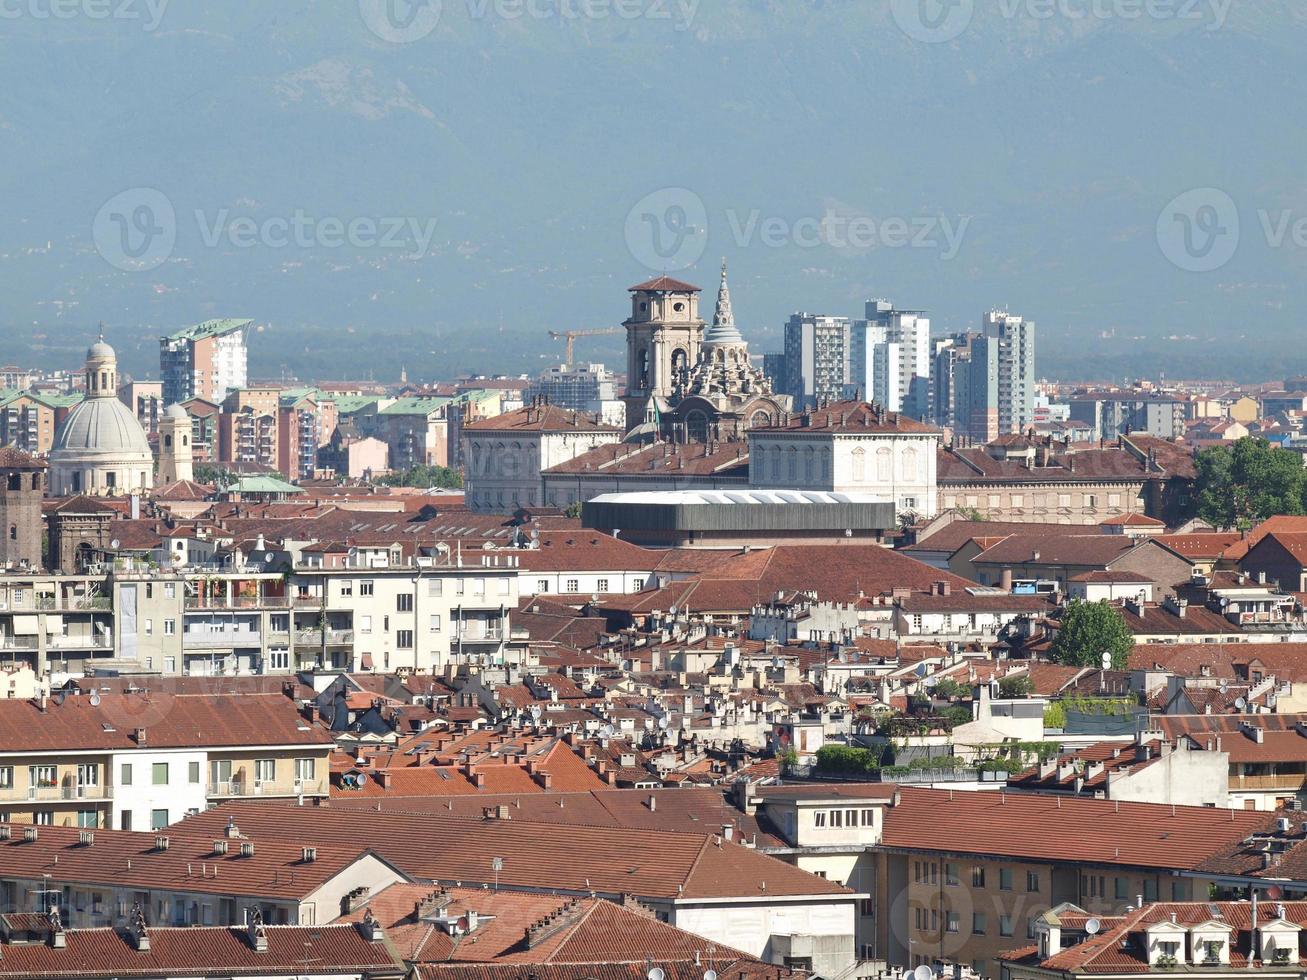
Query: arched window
{"points": [[793, 468], [13, 532], [884, 462], [859, 465], [696, 424], [910, 463], [776, 465], [680, 366], [167, 442]]}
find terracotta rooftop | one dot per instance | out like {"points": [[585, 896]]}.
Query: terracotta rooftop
{"points": [[540, 418], [851, 417], [663, 284]]}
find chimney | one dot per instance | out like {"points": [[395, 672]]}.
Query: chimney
{"points": [[653, 803], [371, 928], [1005, 580]]}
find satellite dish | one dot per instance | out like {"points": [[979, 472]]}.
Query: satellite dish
{"points": [[1224, 687], [1274, 892], [1092, 927], [95, 700], [608, 730], [115, 544], [923, 972], [662, 723], [1241, 703], [710, 975], [930, 682], [59, 698], [268, 556], [1107, 660], [536, 711], [656, 973], [921, 670]]}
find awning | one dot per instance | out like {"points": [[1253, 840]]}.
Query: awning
{"points": [[54, 623], [26, 625], [365, 663]]}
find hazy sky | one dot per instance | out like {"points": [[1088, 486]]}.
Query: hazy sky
{"points": [[439, 184]]}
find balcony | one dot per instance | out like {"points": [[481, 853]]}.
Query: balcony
{"points": [[491, 635], [223, 640], [308, 602], [98, 641], [56, 794], [1288, 782], [223, 603], [239, 788]]}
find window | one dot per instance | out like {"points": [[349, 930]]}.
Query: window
{"points": [[1018, 501], [149, 627], [1064, 500], [43, 777], [365, 587], [126, 778], [1005, 925], [1032, 881], [6, 777], [978, 877], [169, 627], [265, 770], [950, 874], [952, 922], [601, 585], [819, 820], [435, 586], [193, 772], [159, 774], [978, 923], [158, 819], [1091, 500], [1030, 927], [43, 818], [346, 587], [435, 623], [365, 624], [573, 585], [404, 602], [1122, 889], [89, 819], [542, 585], [404, 639], [637, 584], [304, 768], [505, 586], [1005, 879], [1114, 500], [149, 590], [279, 659], [170, 590]]}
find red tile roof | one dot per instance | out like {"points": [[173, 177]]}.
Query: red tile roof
{"points": [[851, 416], [663, 284], [540, 418]]}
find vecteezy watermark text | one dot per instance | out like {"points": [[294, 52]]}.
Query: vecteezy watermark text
{"points": [[136, 230], [936, 21], [668, 230], [149, 12], [406, 21]]}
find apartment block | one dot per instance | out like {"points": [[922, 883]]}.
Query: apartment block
{"points": [[207, 361], [818, 358]]}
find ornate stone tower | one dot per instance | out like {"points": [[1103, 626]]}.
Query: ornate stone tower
{"points": [[663, 337], [175, 450], [22, 484]]}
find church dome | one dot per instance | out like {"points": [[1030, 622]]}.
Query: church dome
{"points": [[99, 350], [102, 425], [175, 411]]}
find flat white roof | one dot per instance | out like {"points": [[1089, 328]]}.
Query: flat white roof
{"points": [[740, 497]]}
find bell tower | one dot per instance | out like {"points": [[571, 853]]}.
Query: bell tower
{"points": [[175, 451], [663, 337]]}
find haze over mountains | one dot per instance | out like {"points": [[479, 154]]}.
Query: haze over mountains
{"points": [[1042, 150]]}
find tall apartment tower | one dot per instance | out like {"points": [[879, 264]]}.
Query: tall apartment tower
{"points": [[892, 358], [207, 361], [1016, 369], [22, 485], [663, 335], [818, 358], [176, 454], [964, 386]]}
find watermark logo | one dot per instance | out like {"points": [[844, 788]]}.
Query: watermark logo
{"points": [[136, 230], [401, 21], [933, 21], [667, 230], [148, 12], [1199, 230]]}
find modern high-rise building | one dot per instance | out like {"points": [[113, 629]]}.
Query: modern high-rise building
{"points": [[891, 358], [964, 386], [205, 361], [589, 388], [818, 358], [1016, 368], [982, 385]]}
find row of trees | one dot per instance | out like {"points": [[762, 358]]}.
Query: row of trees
{"points": [[1240, 485]]}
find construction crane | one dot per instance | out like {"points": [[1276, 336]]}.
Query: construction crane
{"points": [[571, 335]]}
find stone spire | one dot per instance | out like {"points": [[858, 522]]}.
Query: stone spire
{"points": [[723, 332]]}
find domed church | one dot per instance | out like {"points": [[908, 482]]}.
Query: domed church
{"points": [[101, 449]]}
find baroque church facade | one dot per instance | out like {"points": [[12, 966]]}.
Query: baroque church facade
{"points": [[687, 380]]}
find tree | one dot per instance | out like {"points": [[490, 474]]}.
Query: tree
{"points": [[1088, 630], [1238, 486], [1016, 686], [424, 477]]}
